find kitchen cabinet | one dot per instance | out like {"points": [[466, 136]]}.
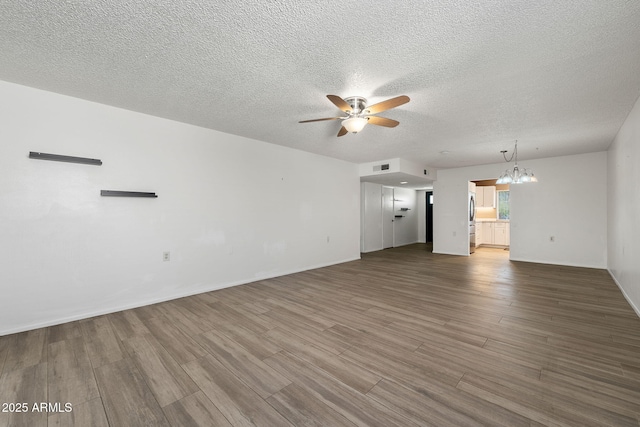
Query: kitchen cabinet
{"points": [[492, 233], [508, 233], [486, 197], [487, 232], [500, 234]]}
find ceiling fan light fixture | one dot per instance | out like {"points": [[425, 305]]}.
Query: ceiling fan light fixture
{"points": [[359, 114], [354, 124]]}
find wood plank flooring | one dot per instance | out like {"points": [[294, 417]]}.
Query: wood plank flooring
{"points": [[402, 337]]}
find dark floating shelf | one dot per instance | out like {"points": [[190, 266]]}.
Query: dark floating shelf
{"points": [[67, 159], [112, 193], [399, 216]]}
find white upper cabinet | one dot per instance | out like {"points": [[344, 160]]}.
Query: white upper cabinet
{"points": [[486, 197], [479, 197]]}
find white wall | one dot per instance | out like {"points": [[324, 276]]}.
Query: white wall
{"points": [[367, 169], [416, 169], [568, 202], [230, 210], [371, 217], [624, 208], [405, 230], [450, 220]]}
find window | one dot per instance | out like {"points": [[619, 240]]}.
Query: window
{"points": [[503, 204]]}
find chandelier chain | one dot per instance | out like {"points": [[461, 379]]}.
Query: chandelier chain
{"points": [[515, 153]]}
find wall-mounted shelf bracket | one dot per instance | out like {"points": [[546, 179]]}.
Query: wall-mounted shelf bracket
{"points": [[67, 159], [112, 193]]}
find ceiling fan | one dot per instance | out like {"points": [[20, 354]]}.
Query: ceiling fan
{"points": [[358, 114]]}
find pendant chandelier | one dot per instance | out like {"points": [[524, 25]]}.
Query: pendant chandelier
{"points": [[515, 175]]}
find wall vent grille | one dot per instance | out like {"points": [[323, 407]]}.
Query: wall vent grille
{"points": [[378, 168]]}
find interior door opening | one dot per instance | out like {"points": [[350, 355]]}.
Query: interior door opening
{"points": [[493, 215], [429, 217]]}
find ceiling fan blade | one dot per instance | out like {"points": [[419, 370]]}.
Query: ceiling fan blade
{"points": [[321, 120], [382, 121], [343, 131], [387, 105], [340, 103]]}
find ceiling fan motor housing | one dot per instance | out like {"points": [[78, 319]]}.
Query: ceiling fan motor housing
{"points": [[357, 103]]}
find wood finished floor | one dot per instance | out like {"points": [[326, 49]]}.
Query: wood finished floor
{"points": [[402, 337]]}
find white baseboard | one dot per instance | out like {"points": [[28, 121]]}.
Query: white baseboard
{"points": [[169, 297], [399, 246], [633, 306], [449, 253], [599, 267], [406, 244], [371, 250]]}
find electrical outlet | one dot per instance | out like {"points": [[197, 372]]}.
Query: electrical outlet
{"points": [[166, 256]]}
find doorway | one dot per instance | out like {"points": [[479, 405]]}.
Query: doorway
{"points": [[493, 214], [429, 217]]}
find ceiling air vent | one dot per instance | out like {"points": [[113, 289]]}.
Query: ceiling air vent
{"points": [[378, 168]]}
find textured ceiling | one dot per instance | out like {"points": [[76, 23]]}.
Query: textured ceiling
{"points": [[559, 76]]}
